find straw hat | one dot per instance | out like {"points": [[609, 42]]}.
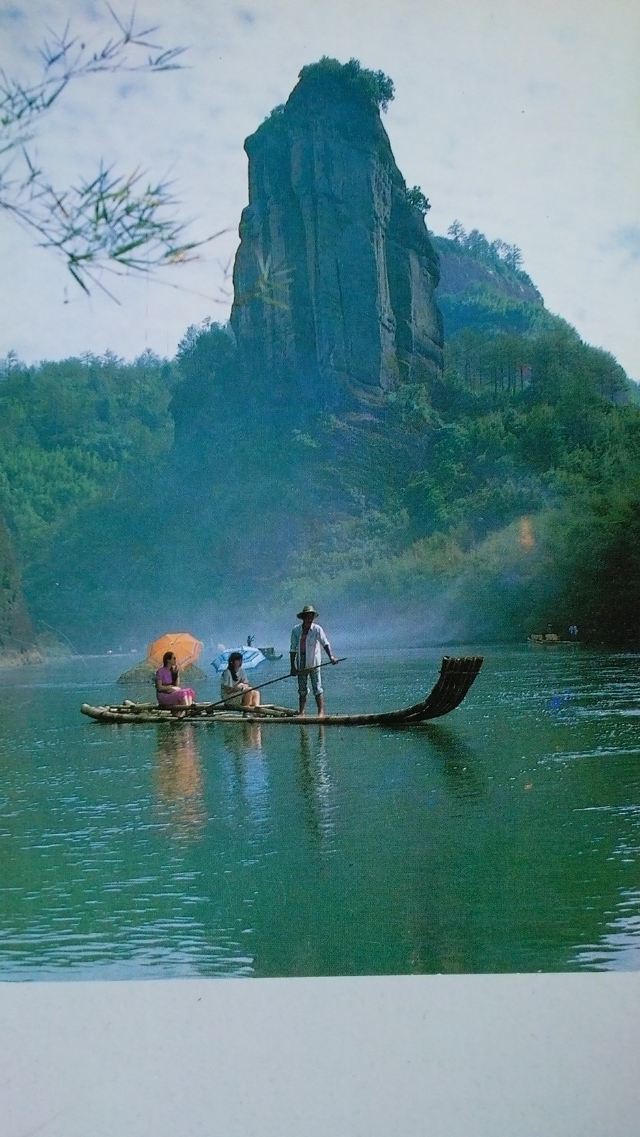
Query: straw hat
{"points": [[308, 610]]}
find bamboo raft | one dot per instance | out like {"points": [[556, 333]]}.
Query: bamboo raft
{"points": [[457, 674]]}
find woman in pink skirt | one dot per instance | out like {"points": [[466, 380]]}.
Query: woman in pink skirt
{"points": [[168, 689]]}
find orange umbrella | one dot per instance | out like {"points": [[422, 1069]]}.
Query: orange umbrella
{"points": [[185, 647]]}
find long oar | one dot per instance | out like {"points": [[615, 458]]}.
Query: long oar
{"points": [[304, 671]]}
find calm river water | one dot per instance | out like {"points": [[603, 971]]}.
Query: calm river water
{"points": [[504, 837]]}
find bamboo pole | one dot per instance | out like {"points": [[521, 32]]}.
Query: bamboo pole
{"points": [[278, 679]]}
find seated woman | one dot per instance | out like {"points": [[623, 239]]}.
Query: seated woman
{"points": [[168, 690], [234, 688]]}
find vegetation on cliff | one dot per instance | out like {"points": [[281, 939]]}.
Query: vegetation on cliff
{"points": [[497, 253], [484, 287], [377, 87]]}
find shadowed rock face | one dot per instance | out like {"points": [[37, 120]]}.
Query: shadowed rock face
{"points": [[347, 309]]}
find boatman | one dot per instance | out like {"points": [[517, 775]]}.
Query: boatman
{"points": [[307, 639]]}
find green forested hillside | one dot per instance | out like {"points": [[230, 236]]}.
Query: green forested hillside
{"points": [[499, 498], [73, 435], [68, 430]]}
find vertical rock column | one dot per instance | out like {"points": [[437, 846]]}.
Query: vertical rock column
{"points": [[334, 278]]}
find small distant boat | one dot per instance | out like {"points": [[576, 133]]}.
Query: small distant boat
{"points": [[270, 653], [251, 657], [550, 639], [456, 677]]}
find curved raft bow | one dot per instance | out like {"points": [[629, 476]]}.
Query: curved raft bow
{"points": [[456, 677]]}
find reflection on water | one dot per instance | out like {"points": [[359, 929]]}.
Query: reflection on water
{"points": [[249, 780], [178, 778], [242, 738], [459, 761], [315, 781]]}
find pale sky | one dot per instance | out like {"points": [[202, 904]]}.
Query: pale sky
{"points": [[520, 119]]}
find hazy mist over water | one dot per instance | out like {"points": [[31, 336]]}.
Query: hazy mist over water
{"points": [[347, 629]]}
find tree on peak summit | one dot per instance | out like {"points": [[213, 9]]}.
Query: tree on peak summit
{"points": [[377, 86]]}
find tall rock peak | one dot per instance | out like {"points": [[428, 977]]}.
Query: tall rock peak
{"points": [[335, 274]]}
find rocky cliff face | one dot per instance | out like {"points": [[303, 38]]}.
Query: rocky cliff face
{"points": [[335, 275]]}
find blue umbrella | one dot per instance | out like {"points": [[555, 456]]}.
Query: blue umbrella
{"points": [[251, 657]]}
